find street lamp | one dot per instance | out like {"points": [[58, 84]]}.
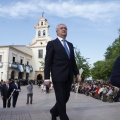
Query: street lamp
{"points": [[1, 75]]}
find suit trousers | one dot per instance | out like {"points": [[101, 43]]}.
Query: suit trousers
{"points": [[9, 103], [15, 97], [62, 93], [6, 102]]}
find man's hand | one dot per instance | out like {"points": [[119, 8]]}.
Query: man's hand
{"points": [[79, 79], [18, 90], [47, 83]]}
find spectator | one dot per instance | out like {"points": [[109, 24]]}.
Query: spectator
{"points": [[29, 93], [16, 89], [5, 94]]}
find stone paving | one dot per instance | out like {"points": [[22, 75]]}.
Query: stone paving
{"points": [[79, 107]]}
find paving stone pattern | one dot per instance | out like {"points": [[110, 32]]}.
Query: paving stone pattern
{"points": [[79, 107]]}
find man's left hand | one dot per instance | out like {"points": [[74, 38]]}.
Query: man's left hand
{"points": [[47, 83], [79, 79]]}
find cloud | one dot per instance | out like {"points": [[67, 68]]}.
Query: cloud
{"points": [[104, 11]]}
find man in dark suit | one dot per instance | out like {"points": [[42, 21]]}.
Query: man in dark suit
{"points": [[5, 93], [16, 89], [60, 62], [115, 75]]}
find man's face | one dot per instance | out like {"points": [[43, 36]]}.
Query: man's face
{"points": [[62, 31], [7, 81], [16, 81]]}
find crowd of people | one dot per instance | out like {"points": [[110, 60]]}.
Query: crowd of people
{"points": [[99, 90]]}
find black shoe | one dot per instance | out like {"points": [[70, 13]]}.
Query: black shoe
{"points": [[53, 117]]}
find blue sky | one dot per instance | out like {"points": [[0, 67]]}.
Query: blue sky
{"points": [[92, 24]]}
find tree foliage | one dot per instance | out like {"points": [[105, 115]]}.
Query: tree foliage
{"points": [[102, 69], [82, 63]]}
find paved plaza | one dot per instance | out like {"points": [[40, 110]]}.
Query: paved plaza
{"points": [[79, 107]]}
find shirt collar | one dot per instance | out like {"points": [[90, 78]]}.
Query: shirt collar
{"points": [[60, 38]]}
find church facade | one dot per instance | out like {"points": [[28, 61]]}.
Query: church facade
{"points": [[26, 62]]}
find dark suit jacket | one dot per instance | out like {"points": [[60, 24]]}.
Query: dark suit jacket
{"points": [[5, 91], [115, 75], [15, 87], [58, 63]]}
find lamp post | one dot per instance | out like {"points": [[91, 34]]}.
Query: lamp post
{"points": [[1, 75]]}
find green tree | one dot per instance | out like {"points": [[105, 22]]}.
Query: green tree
{"points": [[102, 69], [82, 63]]}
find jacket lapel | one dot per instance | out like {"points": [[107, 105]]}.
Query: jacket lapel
{"points": [[62, 47]]}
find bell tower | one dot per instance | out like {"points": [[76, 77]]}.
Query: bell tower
{"points": [[42, 28], [38, 46]]}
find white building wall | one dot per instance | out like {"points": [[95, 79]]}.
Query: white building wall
{"points": [[29, 53], [18, 56], [36, 61], [4, 52]]}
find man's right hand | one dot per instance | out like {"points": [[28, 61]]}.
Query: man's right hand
{"points": [[47, 83]]}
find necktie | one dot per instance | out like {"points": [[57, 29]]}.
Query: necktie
{"points": [[66, 48], [16, 85], [7, 86]]}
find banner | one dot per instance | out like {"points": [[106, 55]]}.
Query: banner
{"points": [[20, 68], [28, 69]]}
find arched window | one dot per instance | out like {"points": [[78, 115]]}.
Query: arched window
{"points": [[39, 77], [12, 74], [43, 32], [39, 33], [41, 23]]}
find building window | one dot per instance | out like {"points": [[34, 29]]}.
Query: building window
{"points": [[39, 33], [0, 58], [21, 61], [27, 63], [43, 32], [40, 53], [13, 60], [41, 23]]}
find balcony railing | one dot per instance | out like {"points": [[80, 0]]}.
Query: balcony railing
{"points": [[21, 67], [13, 65]]}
